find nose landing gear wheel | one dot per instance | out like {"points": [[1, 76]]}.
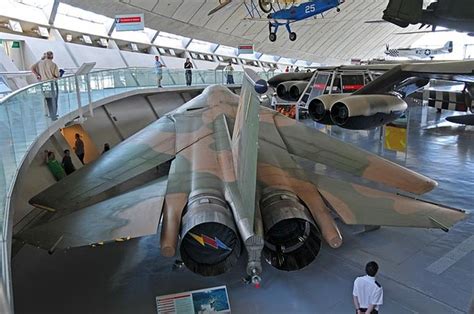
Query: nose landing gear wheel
{"points": [[272, 37], [292, 36], [265, 5]]}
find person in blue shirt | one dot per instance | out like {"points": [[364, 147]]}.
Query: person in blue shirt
{"points": [[159, 70]]}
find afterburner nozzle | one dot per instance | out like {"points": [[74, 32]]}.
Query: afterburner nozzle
{"points": [[210, 244]]}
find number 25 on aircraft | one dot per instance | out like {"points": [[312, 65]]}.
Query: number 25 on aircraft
{"points": [[310, 8]]}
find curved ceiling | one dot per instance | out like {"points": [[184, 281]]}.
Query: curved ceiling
{"points": [[332, 39]]}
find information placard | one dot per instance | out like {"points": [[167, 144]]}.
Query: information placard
{"points": [[245, 50], [210, 300], [129, 22]]}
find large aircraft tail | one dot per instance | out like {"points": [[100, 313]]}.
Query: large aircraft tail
{"points": [[244, 153], [245, 136], [448, 46]]}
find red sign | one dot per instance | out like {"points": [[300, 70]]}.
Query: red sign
{"points": [[134, 19]]}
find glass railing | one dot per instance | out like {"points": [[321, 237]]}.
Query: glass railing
{"points": [[29, 112]]}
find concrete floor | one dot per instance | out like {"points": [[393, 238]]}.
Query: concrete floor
{"points": [[422, 271]]}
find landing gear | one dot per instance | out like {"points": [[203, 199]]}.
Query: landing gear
{"points": [[292, 36], [265, 5], [273, 28], [338, 10], [272, 37]]}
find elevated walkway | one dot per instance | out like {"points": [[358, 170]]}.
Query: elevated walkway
{"points": [[25, 117]]}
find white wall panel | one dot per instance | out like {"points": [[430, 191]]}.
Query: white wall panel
{"points": [[136, 59], [174, 62], [205, 65], [104, 58]]}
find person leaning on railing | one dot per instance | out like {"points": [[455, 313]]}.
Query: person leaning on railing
{"points": [[47, 70]]}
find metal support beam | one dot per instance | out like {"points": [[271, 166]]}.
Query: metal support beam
{"points": [[111, 30], [155, 36], [54, 12]]}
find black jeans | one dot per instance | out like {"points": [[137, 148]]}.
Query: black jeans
{"points": [[230, 79], [189, 77]]}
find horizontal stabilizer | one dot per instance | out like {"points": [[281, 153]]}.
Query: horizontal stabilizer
{"points": [[361, 205], [130, 215]]}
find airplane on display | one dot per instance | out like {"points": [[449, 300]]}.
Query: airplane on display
{"points": [[460, 100], [232, 183], [282, 12], [375, 103], [455, 15], [419, 53]]}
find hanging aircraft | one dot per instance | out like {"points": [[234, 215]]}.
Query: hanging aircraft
{"points": [[419, 53], [233, 183], [373, 104], [455, 15], [282, 12]]}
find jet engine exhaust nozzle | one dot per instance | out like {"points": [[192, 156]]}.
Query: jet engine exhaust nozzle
{"points": [[210, 244], [339, 113], [317, 111], [292, 239]]}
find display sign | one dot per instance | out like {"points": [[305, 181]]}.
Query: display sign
{"points": [[245, 49], [16, 44], [211, 300], [396, 135], [129, 22]]}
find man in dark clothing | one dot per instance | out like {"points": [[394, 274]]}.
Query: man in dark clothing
{"points": [[67, 162], [106, 148], [79, 148], [188, 65]]}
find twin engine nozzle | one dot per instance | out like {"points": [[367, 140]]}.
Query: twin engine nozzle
{"points": [[357, 112], [211, 244], [291, 90]]}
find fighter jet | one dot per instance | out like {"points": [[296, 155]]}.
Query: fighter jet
{"points": [[233, 183], [456, 15], [377, 103], [419, 53]]}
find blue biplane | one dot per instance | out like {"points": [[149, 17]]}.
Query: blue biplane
{"points": [[283, 12]]}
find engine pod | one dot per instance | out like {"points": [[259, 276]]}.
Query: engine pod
{"points": [[210, 244], [292, 239], [360, 112], [319, 107]]}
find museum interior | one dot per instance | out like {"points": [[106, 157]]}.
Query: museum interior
{"points": [[236, 156]]}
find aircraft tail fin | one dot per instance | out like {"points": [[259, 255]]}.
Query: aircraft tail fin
{"points": [[448, 46], [245, 136]]}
